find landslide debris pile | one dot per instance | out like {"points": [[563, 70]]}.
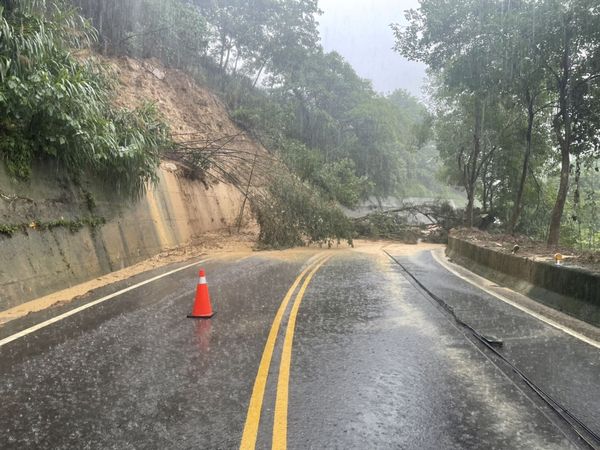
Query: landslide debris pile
{"points": [[208, 143]]}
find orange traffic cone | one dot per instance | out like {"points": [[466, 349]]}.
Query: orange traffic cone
{"points": [[202, 308]]}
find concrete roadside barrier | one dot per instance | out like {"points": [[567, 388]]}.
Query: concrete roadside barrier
{"points": [[572, 290]]}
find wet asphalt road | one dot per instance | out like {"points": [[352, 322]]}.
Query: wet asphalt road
{"points": [[567, 369], [375, 364]]}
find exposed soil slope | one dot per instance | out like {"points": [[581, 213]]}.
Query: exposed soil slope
{"points": [[198, 118], [186, 106], [177, 219]]}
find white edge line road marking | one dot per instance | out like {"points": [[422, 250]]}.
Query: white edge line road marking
{"points": [[44, 324], [546, 320]]}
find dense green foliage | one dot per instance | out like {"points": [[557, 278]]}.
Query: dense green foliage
{"points": [[337, 135], [517, 89], [171, 30], [336, 115], [52, 105], [292, 213]]}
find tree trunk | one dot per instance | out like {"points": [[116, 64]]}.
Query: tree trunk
{"points": [[484, 196], [226, 63], [561, 198], [517, 209], [563, 131], [235, 65], [469, 210], [222, 52], [258, 75], [472, 172]]}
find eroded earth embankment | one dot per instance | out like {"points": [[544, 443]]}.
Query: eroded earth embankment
{"points": [[55, 233]]}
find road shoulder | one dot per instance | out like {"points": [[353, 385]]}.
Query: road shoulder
{"points": [[526, 304]]}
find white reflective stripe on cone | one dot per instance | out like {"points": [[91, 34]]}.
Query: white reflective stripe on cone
{"points": [[202, 280]]}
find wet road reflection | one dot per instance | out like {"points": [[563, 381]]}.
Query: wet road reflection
{"points": [[372, 364]]}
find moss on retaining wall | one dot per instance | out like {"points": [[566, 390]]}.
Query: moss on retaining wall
{"points": [[571, 290], [52, 237]]}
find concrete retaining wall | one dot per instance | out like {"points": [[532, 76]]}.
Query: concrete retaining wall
{"points": [[34, 262], [571, 290]]}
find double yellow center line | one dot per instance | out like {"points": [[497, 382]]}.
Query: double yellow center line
{"points": [[281, 402]]}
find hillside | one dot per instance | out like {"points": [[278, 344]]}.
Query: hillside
{"points": [[188, 108], [198, 119], [56, 232]]}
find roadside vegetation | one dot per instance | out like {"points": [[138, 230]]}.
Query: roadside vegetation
{"points": [[56, 106], [512, 122], [340, 140], [516, 89]]}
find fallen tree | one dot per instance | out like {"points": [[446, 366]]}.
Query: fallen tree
{"points": [[410, 223]]}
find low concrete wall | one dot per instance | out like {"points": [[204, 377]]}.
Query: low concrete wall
{"points": [[571, 290], [34, 262]]}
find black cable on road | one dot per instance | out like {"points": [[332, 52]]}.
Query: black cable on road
{"points": [[587, 436]]}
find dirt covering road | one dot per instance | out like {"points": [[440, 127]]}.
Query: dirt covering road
{"points": [[309, 348]]}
